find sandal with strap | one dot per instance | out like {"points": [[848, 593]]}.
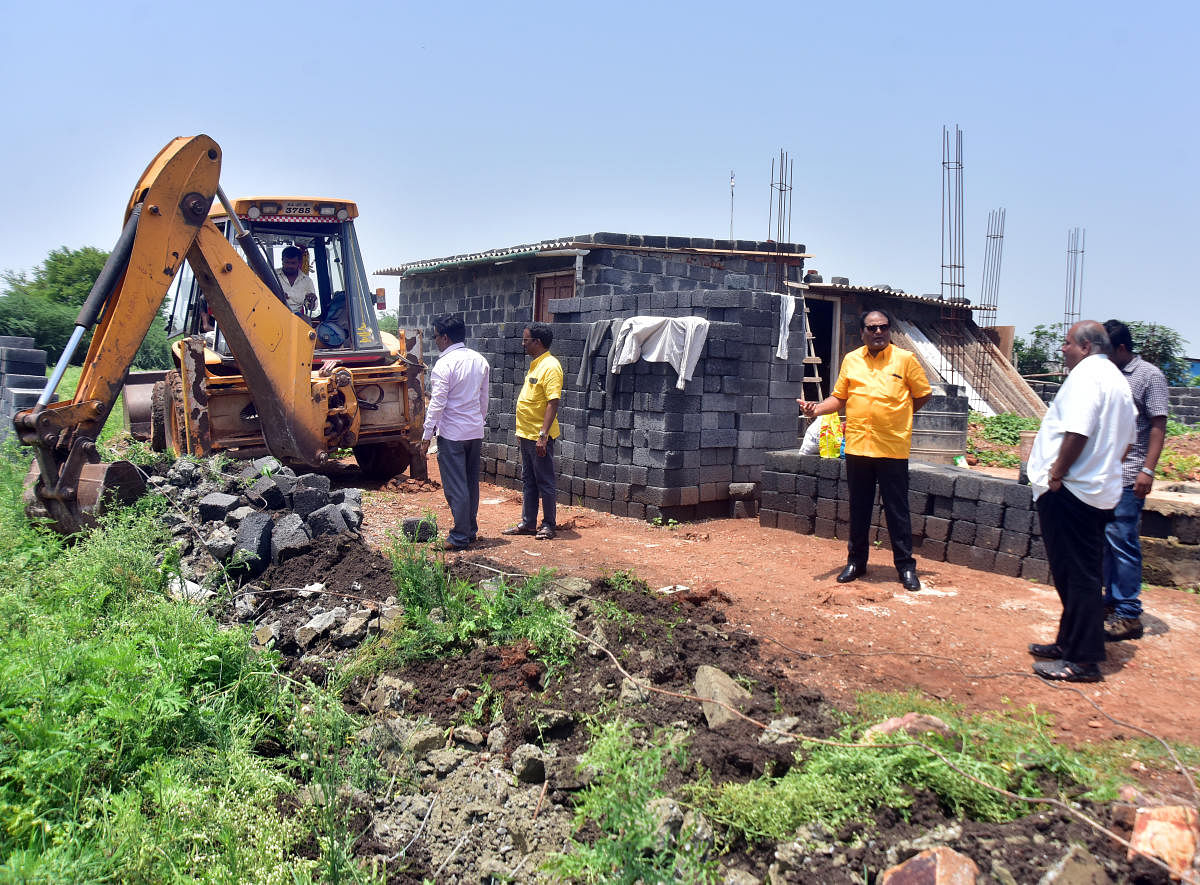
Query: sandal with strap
{"points": [[1052, 651], [1066, 671]]}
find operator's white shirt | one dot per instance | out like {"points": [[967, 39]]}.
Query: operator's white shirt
{"points": [[296, 292], [1094, 402]]}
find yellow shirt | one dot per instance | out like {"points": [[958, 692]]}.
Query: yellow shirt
{"points": [[543, 382], [879, 391]]}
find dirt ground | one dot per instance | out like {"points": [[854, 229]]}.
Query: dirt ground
{"points": [[963, 637]]}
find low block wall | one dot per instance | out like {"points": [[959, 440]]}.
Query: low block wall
{"points": [[957, 515]]}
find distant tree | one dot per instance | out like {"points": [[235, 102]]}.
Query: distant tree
{"points": [[44, 305], [1162, 346], [1040, 353], [389, 323]]}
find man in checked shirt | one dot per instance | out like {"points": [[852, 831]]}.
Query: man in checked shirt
{"points": [[1123, 548]]}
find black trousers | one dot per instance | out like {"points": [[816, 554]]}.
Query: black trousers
{"points": [[863, 475], [538, 483], [1074, 536], [458, 463]]}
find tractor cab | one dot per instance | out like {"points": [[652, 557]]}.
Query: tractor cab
{"points": [[344, 313]]}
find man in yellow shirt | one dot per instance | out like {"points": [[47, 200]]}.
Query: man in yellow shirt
{"points": [[881, 386], [537, 430]]}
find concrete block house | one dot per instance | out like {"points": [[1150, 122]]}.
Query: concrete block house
{"points": [[645, 441]]}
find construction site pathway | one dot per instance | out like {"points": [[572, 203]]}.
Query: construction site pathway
{"points": [[962, 638]]}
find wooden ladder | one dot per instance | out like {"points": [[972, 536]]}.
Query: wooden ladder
{"points": [[811, 360]]}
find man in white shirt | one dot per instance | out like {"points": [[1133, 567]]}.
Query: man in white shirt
{"points": [[458, 404], [1075, 472], [298, 288]]}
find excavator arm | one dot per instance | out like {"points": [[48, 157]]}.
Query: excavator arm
{"points": [[166, 224]]}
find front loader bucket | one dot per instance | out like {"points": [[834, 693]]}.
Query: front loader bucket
{"points": [[100, 486]]}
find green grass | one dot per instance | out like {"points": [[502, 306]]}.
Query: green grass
{"points": [[128, 722], [444, 616], [1005, 428], [629, 776], [836, 785]]}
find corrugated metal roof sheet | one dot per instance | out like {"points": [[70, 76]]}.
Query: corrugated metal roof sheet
{"points": [[886, 291]]}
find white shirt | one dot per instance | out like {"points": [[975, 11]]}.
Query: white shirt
{"points": [[1094, 402], [296, 292], [458, 398]]}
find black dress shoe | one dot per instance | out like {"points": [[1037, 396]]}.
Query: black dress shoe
{"points": [[851, 572], [908, 577]]}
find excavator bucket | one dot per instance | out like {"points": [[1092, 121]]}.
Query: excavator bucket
{"points": [[103, 485]]}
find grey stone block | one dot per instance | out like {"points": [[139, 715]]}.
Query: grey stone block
{"points": [[252, 548], [1017, 520], [288, 537], [1016, 495], [988, 513], [266, 491], [982, 559], [1007, 564], [936, 528], [306, 499], [964, 508], [987, 537], [420, 529], [266, 465], [1014, 543], [313, 481], [932, 549], [992, 490], [327, 520], [962, 532], [1035, 570], [216, 506], [959, 554]]}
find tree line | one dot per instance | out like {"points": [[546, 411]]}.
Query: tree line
{"points": [[1040, 352], [43, 305]]}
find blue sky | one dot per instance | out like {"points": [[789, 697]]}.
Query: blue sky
{"points": [[473, 126]]}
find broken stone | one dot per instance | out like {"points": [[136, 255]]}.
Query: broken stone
{"points": [[445, 761], [743, 491], [937, 866], [1076, 867], [183, 473], [289, 536], [388, 691], [354, 630], [472, 737], [912, 723], [308, 591], [633, 691], [565, 773], [719, 688], [216, 506], [496, 739], [1170, 833], [220, 544], [421, 741], [778, 731], [351, 496], [529, 764], [236, 515], [421, 530], [319, 626], [326, 520], [183, 590], [389, 618], [266, 492], [265, 634], [668, 819]]}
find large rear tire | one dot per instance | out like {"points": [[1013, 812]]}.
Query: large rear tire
{"points": [[382, 460]]}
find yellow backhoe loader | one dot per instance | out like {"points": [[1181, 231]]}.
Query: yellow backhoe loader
{"points": [[251, 377]]}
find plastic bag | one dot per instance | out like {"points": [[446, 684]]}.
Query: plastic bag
{"points": [[830, 441]]}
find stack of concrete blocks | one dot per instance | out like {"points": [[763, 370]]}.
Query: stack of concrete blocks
{"points": [[958, 515], [22, 378], [633, 444], [1184, 402]]}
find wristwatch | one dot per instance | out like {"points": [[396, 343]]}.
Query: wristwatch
{"points": [[1148, 472]]}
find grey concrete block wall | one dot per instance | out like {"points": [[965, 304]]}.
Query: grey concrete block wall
{"points": [[634, 444], [615, 282], [998, 532]]}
